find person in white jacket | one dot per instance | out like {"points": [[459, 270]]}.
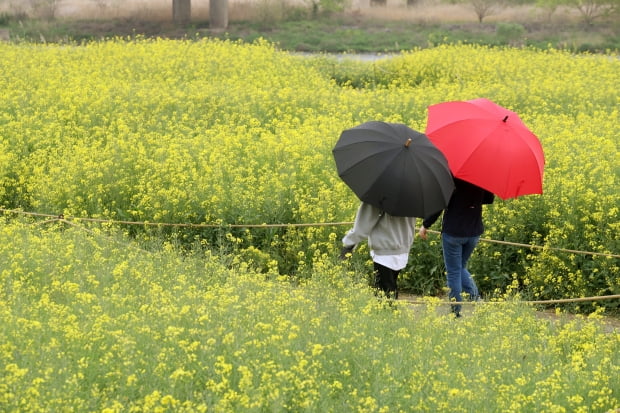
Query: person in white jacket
{"points": [[389, 239]]}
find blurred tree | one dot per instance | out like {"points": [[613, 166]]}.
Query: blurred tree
{"points": [[45, 9], [550, 6], [484, 8], [218, 14], [591, 10], [326, 6]]}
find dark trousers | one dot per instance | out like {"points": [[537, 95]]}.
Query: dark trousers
{"points": [[386, 280]]}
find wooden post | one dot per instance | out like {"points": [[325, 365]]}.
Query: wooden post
{"points": [[218, 14], [5, 35], [181, 11]]}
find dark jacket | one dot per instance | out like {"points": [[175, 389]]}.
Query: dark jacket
{"points": [[463, 215]]}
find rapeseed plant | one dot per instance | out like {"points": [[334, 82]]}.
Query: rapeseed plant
{"points": [[228, 133], [92, 322], [254, 319]]}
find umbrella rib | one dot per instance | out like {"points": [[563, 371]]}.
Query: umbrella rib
{"points": [[488, 145], [510, 167], [380, 175], [366, 158], [436, 183], [372, 158]]}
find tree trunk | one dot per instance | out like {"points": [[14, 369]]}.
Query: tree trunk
{"points": [[218, 14], [181, 11]]}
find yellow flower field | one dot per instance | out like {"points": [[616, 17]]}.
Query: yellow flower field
{"points": [[191, 317], [211, 132], [92, 322]]}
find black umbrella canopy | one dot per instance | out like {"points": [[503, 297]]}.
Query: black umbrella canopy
{"points": [[395, 168]]}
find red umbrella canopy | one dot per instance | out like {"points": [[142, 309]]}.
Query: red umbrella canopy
{"points": [[487, 145]]}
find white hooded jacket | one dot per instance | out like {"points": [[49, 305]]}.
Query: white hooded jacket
{"points": [[387, 235]]}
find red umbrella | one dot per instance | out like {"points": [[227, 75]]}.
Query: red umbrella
{"points": [[487, 145]]}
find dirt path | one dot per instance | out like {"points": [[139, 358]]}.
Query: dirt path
{"points": [[610, 324]]}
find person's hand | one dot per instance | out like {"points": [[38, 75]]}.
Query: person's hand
{"points": [[422, 232], [346, 252]]}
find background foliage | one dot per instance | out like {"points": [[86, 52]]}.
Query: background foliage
{"points": [[114, 317], [329, 25], [215, 132]]}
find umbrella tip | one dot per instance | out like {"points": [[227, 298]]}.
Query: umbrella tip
{"points": [[505, 118], [408, 143]]}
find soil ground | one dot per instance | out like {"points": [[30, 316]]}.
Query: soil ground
{"points": [[609, 324], [122, 18]]}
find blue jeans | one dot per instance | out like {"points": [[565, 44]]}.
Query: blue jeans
{"points": [[456, 253]]}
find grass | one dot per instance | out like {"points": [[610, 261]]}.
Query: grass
{"points": [[370, 30], [360, 34]]}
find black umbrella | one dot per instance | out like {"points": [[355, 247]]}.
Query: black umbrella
{"points": [[394, 168]]}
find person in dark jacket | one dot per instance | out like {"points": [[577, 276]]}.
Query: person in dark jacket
{"points": [[460, 232]]}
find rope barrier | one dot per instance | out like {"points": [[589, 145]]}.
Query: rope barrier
{"points": [[540, 247], [67, 220], [81, 228], [314, 224]]}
